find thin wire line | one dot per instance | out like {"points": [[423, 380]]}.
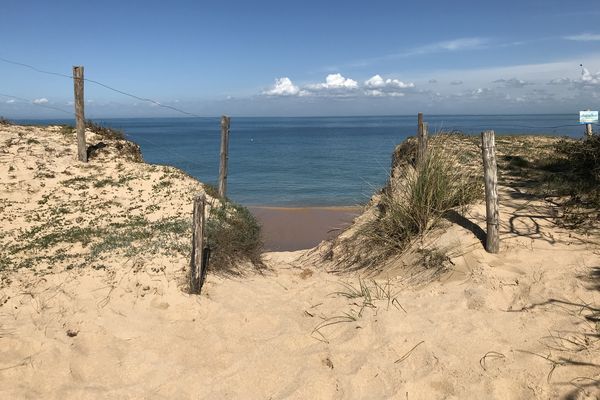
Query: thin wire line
{"points": [[37, 104], [103, 85], [142, 98], [34, 68]]}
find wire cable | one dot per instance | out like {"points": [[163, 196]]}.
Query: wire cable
{"points": [[102, 85]]}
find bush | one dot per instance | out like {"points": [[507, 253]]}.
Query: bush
{"points": [[577, 178], [583, 158], [233, 235], [104, 132], [4, 121], [423, 196]]}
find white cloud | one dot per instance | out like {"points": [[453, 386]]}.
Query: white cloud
{"points": [[377, 86], [433, 81], [376, 82], [590, 78], [513, 82], [43, 100], [335, 81], [283, 87], [10, 101], [584, 37], [456, 83]]}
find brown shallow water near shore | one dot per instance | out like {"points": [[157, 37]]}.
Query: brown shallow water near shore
{"points": [[289, 229]]}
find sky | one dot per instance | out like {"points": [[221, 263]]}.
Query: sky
{"points": [[301, 58]]}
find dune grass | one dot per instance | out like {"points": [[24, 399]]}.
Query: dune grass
{"points": [[234, 238], [423, 195]]}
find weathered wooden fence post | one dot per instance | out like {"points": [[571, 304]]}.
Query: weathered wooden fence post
{"points": [[199, 260], [79, 113], [224, 156], [421, 139], [490, 175], [588, 130]]}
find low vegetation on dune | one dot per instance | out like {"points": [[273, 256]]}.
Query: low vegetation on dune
{"points": [[414, 202], [110, 211], [419, 198], [234, 237], [574, 177], [104, 132], [422, 195]]}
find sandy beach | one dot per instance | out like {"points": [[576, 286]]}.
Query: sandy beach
{"points": [[290, 229], [93, 301]]}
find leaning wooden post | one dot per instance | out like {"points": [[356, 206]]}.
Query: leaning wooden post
{"points": [[421, 139], [79, 113], [197, 264], [490, 175], [224, 156]]}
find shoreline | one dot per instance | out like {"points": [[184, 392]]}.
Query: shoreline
{"points": [[298, 228]]}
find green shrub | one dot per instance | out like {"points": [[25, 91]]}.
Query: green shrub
{"points": [[233, 235]]}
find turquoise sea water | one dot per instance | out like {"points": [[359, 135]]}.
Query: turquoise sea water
{"points": [[304, 161]]}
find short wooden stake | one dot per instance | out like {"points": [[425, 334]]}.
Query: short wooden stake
{"points": [[224, 156], [421, 139], [588, 130], [79, 113], [199, 260], [490, 175]]}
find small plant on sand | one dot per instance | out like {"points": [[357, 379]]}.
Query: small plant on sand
{"points": [[233, 235], [67, 130], [423, 195], [368, 294]]}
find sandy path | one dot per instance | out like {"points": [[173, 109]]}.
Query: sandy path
{"points": [[253, 338]]}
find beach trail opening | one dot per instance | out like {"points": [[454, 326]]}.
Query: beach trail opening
{"points": [[290, 229]]}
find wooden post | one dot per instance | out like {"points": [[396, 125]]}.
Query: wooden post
{"points": [[224, 156], [197, 263], [421, 139], [588, 130], [79, 113], [490, 175]]}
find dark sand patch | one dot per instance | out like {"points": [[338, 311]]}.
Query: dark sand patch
{"points": [[289, 229]]}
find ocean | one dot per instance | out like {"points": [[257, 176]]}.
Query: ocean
{"points": [[305, 161]]}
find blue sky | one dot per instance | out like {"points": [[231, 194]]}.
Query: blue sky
{"points": [[303, 57]]}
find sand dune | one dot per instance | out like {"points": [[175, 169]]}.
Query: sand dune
{"points": [[506, 326]]}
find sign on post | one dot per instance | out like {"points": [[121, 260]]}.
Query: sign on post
{"points": [[588, 117]]}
